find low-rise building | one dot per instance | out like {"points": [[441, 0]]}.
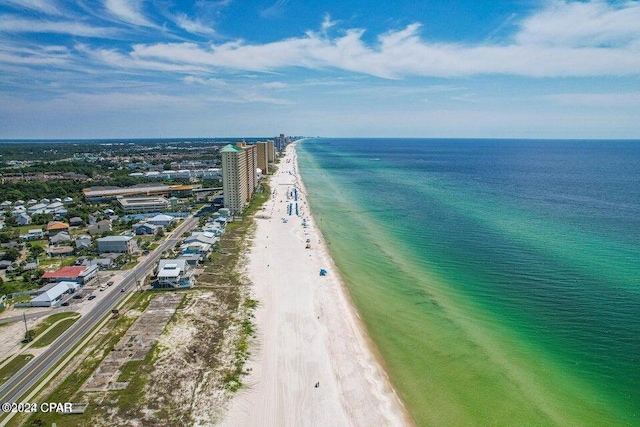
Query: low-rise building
{"points": [[83, 242], [144, 204], [100, 227], [145, 228], [53, 294], [79, 274], [33, 234], [61, 237], [76, 221], [174, 273], [56, 227], [23, 219], [119, 244], [161, 220], [55, 251]]}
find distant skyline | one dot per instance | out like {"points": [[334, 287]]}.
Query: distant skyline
{"points": [[163, 69]]}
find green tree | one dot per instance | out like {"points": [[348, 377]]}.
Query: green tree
{"points": [[12, 254]]}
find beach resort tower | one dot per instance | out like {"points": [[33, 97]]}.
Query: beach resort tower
{"points": [[263, 157], [239, 176], [271, 151]]}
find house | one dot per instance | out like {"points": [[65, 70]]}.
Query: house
{"points": [[61, 237], [19, 203], [83, 242], [109, 212], [60, 213], [6, 204], [76, 221], [38, 208], [201, 237], [55, 251], [4, 264], [119, 244], [192, 260], [100, 227], [79, 274], [101, 262], [56, 227], [11, 245], [145, 228], [67, 200], [92, 220], [30, 266], [18, 210], [45, 201], [34, 234], [196, 248], [57, 200], [161, 220], [174, 273], [23, 219], [55, 205]]}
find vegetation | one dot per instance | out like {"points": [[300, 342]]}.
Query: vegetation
{"points": [[14, 366], [53, 334]]}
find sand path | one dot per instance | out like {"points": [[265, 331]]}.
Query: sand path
{"points": [[308, 332]]}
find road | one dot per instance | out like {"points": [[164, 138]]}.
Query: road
{"points": [[16, 387]]}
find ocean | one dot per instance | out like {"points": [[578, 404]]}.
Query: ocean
{"points": [[498, 279]]}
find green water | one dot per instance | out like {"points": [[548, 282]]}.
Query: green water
{"points": [[487, 309]]}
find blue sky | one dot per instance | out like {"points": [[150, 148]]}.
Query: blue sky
{"points": [[169, 68]]}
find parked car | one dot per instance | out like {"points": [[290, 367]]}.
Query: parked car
{"points": [[91, 297], [77, 296]]}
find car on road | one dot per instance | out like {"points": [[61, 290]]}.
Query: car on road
{"points": [[109, 283], [91, 297]]}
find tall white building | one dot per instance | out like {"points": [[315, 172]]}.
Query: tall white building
{"points": [[239, 177]]}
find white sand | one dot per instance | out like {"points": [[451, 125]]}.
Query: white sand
{"points": [[308, 332]]}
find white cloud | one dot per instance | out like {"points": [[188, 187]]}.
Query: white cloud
{"points": [[129, 11], [13, 24], [193, 26], [564, 39], [207, 82], [275, 9], [581, 24], [275, 85], [49, 7]]}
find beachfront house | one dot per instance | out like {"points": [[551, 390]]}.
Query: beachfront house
{"points": [[174, 273]]}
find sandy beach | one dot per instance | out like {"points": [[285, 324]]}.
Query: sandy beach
{"points": [[308, 332]]}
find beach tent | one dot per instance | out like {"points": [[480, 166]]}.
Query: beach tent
{"points": [[323, 272]]}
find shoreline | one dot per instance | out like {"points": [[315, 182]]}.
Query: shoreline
{"points": [[309, 331]]}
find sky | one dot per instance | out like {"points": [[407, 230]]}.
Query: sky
{"points": [[215, 68]]}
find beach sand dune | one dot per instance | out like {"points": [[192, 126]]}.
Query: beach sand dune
{"points": [[313, 364]]}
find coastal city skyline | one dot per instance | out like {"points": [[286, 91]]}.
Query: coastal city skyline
{"points": [[132, 69]]}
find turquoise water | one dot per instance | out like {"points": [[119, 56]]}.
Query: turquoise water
{"points": [[499, 279]]}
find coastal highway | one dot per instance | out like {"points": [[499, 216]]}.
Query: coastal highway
{"points": [[13, 390]]}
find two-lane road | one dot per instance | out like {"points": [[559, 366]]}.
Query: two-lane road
{"points": [[15, 388]]}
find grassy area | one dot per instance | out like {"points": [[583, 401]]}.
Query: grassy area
{"points": [[51, 320], [14, 366], [129, 265], [102, 345], [153, 246], [54, 333]]}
